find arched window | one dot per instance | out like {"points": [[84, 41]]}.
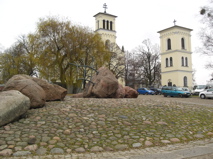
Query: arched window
{"points": [[169, 44], [103, 24], [186, 61], [185, 81], [167, 62], [182, 61], [107, 44], [110, 25], [171, 61], [182, 43]]}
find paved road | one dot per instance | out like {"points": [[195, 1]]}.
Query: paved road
{"points": [[192, 150], [130, 129], [191, 100]]}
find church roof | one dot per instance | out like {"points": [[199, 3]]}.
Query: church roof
{"points": [[105, 14], [175, 26]]}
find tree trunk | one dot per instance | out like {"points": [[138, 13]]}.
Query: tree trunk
{"points": [[70, 88]]}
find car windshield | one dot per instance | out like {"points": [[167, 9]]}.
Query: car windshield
{"points": [[200, 86]]}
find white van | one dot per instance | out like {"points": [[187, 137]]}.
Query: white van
{"points": [[198, 88]]}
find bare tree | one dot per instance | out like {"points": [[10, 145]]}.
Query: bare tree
{"points": [[193, 76], [206, 33], [117, 60], [212, 76], [147, 64], [1, 48]]}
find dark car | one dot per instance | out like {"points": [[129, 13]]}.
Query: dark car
{"points": [[145, 91], [157, 91]]}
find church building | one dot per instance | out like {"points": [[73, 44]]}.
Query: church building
{"points": [[176, 56], [105, 27]]}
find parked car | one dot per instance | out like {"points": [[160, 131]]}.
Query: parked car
{"points": [[206, 94], [145, 91], [174, 92], [157, 91], [198, 88], [187, 90]]}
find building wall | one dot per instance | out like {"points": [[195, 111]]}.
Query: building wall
{"points": [[177, 71], [106, 34], [177, 78], [103, 16], [175, 33]]}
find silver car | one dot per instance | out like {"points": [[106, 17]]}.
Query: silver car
{"points": [[206, 94]]}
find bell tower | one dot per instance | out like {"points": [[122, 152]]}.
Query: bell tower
{"points": [[105, 26], [176, 56]]}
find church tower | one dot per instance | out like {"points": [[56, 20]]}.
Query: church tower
{"points": [[105, 26], [176, 56]]}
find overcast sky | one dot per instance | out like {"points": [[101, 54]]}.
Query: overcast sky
{"points": [[137, 20]]}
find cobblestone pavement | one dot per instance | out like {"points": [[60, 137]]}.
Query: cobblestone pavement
{"points": [[111, 128]]}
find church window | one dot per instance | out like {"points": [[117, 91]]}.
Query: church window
{"points": [[110, 25], [103, 24], [107, 25], [186, 61], [107, 44], [182, 61], [167, 62], [169, 44], [185, 81], [182, 43], [171, 61]]}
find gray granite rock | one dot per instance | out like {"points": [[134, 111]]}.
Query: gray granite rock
{"points": [[22, 153], [56, 151]]}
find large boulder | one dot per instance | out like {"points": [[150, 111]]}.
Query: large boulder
{"points": [[130, 92], [13, 104], [53, 92], [103, 85], [120, 93], [29, 88]]}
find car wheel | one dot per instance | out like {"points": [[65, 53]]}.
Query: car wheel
{"points": [[180, 95], [202, 96], [164, 95]]}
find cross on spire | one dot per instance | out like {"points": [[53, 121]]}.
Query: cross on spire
{"points": [[174, 22], [105, 7]]}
